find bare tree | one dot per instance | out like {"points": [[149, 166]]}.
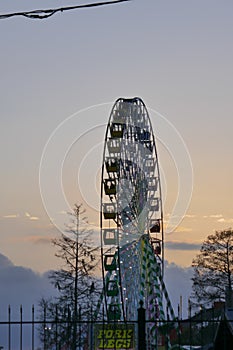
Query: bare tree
{"points": [[213, 268], [78, 288]]}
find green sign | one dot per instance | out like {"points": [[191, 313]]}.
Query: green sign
{"points": [[114, 336]]}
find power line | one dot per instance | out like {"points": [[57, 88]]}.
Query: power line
{"points": [[43, 14]]}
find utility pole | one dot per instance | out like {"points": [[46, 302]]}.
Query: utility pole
{"points": [[141, 327], [77, 215]]}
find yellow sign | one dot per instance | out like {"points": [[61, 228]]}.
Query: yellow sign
{"points": [[114, 336]]}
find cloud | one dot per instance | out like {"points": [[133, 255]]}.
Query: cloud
{"points": [[213, 216], [182, 246], [4, 262], [226, 221], [21, 286], [191, 216], [34, 218], [63, 212], [27, 215], [219, 217], [170, 216], [30, 286], [38, 239], [178, 283], [11, 216]]}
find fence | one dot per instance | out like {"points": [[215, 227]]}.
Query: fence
{"points": [[37, 332]]}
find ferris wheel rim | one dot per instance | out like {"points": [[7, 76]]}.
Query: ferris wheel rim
{"points": [[132, 100]]}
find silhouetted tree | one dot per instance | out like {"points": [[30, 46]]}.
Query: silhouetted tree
{"points": [[78, 288], [213, 268]]}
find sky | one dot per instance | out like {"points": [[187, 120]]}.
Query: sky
{"points": [[59, 80]]}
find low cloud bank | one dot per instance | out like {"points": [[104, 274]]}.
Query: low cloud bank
{"points": [[21, 286], [179, 284]]}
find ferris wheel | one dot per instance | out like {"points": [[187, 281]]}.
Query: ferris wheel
{"points": [[131, 216]]}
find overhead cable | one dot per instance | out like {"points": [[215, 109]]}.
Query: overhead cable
{"points": [[43, 14]]}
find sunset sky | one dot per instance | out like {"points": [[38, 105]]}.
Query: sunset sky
{"points": [[59, 80]]}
